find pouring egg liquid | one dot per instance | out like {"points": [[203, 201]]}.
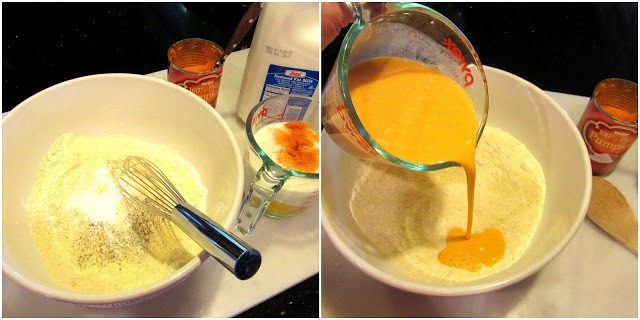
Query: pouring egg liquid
{"points": [[420, 115]]}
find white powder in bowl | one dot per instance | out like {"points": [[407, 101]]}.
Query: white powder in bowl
{"points": [[87, 240], [406, 215]]}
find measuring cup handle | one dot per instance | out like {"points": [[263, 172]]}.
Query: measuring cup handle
{"points": [[255, 202]]}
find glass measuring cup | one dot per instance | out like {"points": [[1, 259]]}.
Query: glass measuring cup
{"points": [[276, 191], [404, 30]]}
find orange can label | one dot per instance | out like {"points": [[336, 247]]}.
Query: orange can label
{"points": [[206, 87], [193, 66], [606, 140]]}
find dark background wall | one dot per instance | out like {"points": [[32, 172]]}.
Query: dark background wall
{"points": [[562, 47], [47, 43]]}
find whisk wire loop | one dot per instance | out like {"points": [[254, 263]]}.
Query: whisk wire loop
{"points": [[148, 169], [143, 186], [142, 182]]}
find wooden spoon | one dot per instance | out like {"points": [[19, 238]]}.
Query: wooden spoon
{"points": [[610, 211]]}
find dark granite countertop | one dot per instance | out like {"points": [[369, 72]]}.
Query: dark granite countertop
{"points": [[562, 47]]}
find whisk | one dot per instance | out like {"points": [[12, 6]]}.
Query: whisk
{"points": [[142, 184]]}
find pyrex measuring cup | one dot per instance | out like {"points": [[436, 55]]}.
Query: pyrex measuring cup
{"points": [[276, 191], [404, 30]]}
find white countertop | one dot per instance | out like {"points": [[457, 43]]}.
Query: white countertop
{"points": [[593, 276], [289, 247]]}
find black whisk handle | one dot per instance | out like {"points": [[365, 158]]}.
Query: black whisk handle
{"points": [[233, 253]]}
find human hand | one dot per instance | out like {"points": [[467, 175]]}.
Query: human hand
{"points": [[335, 16]]}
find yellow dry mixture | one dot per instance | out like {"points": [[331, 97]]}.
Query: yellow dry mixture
{"points": [[86, 239], [406, 215]]}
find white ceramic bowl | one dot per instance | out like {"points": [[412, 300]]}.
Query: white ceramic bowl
{"points": [[139, 106], [537, 121]]}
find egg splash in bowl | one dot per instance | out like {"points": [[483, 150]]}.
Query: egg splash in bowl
{"points": [[425, 213], [393, 223], [435, 124]]}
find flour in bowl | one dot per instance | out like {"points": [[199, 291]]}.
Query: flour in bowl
{"points": [[87, 240], [406, 215]]}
